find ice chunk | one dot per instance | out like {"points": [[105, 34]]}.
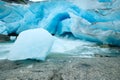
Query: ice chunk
{"points": [[32, 44]]}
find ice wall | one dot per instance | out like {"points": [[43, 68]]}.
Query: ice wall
{"points": [[91, 20]]}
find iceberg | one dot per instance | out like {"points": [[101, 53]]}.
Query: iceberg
{"points": [[31, 44], [96, 23]]}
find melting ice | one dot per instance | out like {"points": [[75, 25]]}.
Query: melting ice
{"points": [[95, 23]]}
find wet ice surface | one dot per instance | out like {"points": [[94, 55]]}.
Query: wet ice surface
{"points": [[5, 49], [79, 48], [72, 48]]}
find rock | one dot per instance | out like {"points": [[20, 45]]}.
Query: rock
{"points": [[4, 38]]}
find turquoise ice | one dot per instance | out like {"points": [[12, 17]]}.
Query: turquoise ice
{"points": [[99, 25], [31, 44]]}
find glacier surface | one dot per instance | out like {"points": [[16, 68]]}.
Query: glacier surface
{"points": [[99, 23]]}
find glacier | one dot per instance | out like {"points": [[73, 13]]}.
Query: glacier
{"points": [[97, 24]]}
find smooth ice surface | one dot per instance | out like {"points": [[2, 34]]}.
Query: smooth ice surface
{"points": [[31, 44], [90, 20]]}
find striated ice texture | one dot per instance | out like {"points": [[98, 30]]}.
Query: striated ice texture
{"points": [[31, 44], [91, 20]]}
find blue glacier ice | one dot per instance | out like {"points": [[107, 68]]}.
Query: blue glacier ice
{"points": [[104, 0], [30, 46], [99, 23]]}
